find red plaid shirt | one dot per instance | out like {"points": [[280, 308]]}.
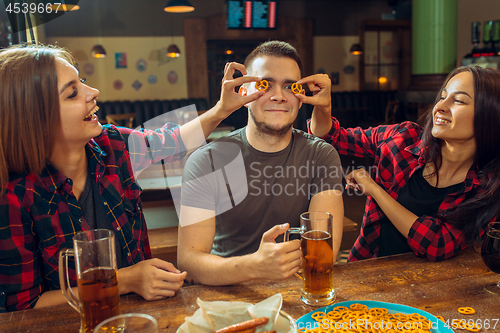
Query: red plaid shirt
{"points": [[39, 213], [397, 150]]}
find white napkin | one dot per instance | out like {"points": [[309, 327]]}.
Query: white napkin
{"points": [[212, 316]]}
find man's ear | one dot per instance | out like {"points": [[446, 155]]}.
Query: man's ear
{"points": [[243, 92]]}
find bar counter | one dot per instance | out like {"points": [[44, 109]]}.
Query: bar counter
{"points": [[438, 288]]}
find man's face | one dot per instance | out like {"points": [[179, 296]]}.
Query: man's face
{"points": [[275, 111]]}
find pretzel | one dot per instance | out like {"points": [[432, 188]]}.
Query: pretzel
{"points": [[471, 327], [466, 310], [244, 325], [262, 85], [296, 88]]}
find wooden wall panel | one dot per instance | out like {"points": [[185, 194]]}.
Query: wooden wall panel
{"points": [[195, 34]]}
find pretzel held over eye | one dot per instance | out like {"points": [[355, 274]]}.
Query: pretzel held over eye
{"points": [[296, 88], [262, 85]]}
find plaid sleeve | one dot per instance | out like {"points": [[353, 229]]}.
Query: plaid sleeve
{"points": [[20, 276], [147, 146], [357, 141], [431, 238]]}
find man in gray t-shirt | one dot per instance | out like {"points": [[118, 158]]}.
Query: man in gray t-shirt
{"points": [[244, 190]]}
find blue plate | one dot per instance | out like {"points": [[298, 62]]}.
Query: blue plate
{"points": [[307, 322]]}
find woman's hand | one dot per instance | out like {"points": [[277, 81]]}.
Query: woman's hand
{"points": [[320, 85], [153, 279], [360, 180]]}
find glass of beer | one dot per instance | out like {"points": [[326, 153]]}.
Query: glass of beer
{"points": [[490, 253], [128, 323], [316, 229], [95, 267]]}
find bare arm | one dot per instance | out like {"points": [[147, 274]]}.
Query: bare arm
{"points": [[272, 260], [401, 217], [152, 279], [331, 201]]}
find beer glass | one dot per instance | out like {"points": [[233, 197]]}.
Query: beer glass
{"points": [[316, 230], [128, 323], [95, 263], [490, 253]]}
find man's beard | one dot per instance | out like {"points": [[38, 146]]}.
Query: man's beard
{"points": [[265, 129]]}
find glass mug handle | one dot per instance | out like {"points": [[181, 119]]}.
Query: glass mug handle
{"points": [[290, 231], [64, 278]]}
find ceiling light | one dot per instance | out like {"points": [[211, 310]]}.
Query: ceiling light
{"points": [[98, 51], [173, 51], [356, 49], [179, 6]]}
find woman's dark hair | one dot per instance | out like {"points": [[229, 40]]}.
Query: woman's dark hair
{"points": [[484, 204], [29, 108]]}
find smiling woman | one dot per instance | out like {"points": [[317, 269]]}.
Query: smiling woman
{"points": [[61, 173], [436, 187]]}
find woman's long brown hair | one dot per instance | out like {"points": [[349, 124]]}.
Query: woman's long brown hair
{"points": [[29, 108], [482, 205]]}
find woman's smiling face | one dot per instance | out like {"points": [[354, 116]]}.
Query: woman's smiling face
{"points": [[77, 102], [453, 115]]}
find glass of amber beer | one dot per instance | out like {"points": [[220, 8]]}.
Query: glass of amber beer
{"points": [[95, 266], [316, 229]]}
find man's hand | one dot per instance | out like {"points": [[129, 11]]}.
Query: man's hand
{"points": [[153, 279], [276, 261], [320, 85], [230, 100]]}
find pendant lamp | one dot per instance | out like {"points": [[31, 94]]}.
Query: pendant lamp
{"points": [[173, 51], [64, 6], [179, 6], [98, 51], [356, 49]]}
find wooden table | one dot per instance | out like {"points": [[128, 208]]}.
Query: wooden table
{"points": [[439, 288]]}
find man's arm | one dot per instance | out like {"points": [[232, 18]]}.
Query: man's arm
{"points": [[272, 260], [320, 85], [331, 201]]}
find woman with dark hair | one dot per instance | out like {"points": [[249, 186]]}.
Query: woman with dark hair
{"points": [[435, 188], [61, 172]]}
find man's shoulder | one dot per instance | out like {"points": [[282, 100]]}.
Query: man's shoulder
{"points": [[310, 140], [227, 144]]}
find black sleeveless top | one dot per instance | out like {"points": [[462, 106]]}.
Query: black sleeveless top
{"points": [[420, 198]]}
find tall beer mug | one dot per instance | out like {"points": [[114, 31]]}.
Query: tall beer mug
{"points": [[316, 230], [95, 263]]}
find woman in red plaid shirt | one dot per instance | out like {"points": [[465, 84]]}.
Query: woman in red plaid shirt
{"points": [[436, 187], [61, 172]]}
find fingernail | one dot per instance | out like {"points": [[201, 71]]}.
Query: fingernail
{"points": [[284, 225]]}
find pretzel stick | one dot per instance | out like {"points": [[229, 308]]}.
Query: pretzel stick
{"points": [[244, 325]]}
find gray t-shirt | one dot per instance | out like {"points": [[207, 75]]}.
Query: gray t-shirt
{"points": [[252, 191]]}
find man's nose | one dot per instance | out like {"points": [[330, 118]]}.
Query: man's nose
{"points": [[278, 95]]}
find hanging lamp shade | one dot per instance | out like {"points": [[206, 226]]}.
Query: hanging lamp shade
{"points": [[98, 51], [179, 6], [356, 49], [64, 6], [173, 51]]}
